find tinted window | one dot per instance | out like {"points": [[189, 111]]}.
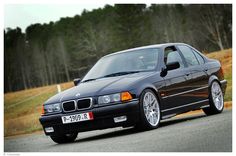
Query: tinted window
{"points": [[199, 57], [190, 58], [172, 55]]}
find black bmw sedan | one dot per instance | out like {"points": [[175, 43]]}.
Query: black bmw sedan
{"points": [[136, 87]]}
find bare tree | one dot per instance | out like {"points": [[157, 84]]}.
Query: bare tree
{"points": [[211, 19]]}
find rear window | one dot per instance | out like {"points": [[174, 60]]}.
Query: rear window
{"points": [[189, 56], [199, 57]]}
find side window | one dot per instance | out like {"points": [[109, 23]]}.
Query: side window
{"points": [[189, 56], [172, 55], [199, 57]]}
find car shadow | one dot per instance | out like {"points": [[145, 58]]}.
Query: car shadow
{"points": [[176, 120], [132, 130], [113, 134]]}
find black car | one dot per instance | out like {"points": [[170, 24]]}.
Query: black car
{"points": [[136, 87]]}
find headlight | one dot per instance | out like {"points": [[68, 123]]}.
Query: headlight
{"points": [[112, 98], [52, 108]]}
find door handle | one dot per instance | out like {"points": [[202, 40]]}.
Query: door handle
{"points": [[187, 74]]}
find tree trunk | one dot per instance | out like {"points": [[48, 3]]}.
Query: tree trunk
{"points": [[220, 44], [23, 77], [62, 49]]}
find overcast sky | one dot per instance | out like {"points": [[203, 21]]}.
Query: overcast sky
{"points": [[23, 15]]}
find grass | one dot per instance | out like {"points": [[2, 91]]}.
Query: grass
{"points": [[22, 109]]}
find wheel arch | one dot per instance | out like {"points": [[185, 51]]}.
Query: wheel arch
{"points": [[152, 88], [148, 86], [213, 78], [212, 109]]}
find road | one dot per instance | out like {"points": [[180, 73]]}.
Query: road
{"points": [[191, 133]]}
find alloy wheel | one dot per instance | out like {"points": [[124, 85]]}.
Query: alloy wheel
{"points": [[217, 96], [151, 108]]}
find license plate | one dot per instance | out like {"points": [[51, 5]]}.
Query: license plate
{"points": [[77, 117]]}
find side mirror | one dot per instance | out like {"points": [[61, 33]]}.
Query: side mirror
{"points": [[77, 81], [169, 66], [172, 65]]}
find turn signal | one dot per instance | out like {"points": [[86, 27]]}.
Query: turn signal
{"points": [[125, 96]]}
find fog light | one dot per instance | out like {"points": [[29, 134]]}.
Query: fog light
{"points": [[49, 129], [120, 119]]}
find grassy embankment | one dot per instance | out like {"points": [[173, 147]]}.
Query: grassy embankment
{"points": [[22, 109]]}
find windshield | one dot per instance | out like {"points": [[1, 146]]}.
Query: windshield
{"points": [[124, 63]]}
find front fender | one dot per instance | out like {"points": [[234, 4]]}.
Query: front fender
{"points": [[154, 82], [145, 86]]}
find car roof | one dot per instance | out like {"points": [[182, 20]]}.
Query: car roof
{"points": [[146, 47]]}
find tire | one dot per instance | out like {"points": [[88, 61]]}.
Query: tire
{"points": [[149, 111], [66, 138], [216, 99]]}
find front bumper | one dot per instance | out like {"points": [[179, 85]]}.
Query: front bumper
{"points": [[103, 118]]}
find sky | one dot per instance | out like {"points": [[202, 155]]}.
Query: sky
{"points": [[23, 15]]}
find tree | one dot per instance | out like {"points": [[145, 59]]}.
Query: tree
{"points": [[212, 19], [129, 23]]}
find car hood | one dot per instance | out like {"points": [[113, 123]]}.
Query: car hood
{"points": [[99, 87]]}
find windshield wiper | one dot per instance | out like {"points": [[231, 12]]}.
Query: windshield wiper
{"points": [[89, 80], [112, 75], [121, 73]]}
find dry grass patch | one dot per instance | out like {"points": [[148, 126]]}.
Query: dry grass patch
{"points": [[22, 109], [21, 125]]}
